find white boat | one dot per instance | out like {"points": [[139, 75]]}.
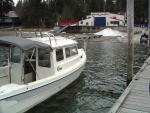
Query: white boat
{"points": [[37, 69]]}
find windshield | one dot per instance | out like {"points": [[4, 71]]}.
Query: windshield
{"points": [[15, 54], [4, 55]]}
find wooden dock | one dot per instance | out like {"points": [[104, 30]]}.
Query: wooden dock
{"points": [[136, 97]]}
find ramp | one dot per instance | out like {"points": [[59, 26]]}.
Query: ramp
{"points": [[60, 30]]}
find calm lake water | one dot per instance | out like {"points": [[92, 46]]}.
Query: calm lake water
{"points": [[101, 83]]}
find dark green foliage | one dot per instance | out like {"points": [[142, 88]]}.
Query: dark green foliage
{"points": [[40, 12], [18, 8], [141, 11], [73, 9], [120, 5], [6, 6], [97, 5], [110, 6], [34, 12]]}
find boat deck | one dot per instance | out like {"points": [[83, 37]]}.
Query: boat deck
{"points": [[8, 88], [136, 97]]}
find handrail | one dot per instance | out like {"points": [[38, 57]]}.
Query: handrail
{"points": [[71, 37], [46, 33], [54, 37], [17, 34], [41, 33], [49, 38], [20, 33], [35, 31]]}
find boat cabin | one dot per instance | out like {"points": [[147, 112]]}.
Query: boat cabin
{"points": [[27, 60]]}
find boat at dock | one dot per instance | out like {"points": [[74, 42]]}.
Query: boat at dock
{"points": [[37, 68]]}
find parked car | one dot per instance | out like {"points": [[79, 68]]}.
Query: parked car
{"points": [[144, 38]]}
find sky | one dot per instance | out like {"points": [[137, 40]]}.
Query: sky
{"points": [[15, 1]]}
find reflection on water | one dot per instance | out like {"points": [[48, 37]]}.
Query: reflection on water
{"points": [[4, 52], [101, 83]]}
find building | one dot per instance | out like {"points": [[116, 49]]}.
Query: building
{"points": [[103, 19], [10, 18]]}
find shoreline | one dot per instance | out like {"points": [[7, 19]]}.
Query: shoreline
{"points": [[120, 39]]}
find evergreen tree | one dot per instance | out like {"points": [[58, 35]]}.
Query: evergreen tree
{"points": [[18, 8], [120, 5], [110, 6], [67, 13], [73, 9], [96, 5], [34, 12], [79, 10], [141, 11], [6, 6]]}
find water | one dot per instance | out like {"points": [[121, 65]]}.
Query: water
{"points": [[100, 84]]}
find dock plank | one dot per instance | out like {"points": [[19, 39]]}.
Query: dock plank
{"points": [[139, 87], [134, 107], [141, 81], [140, 92], [137, 95], [135, 103], [124, 110], [138, 99]]}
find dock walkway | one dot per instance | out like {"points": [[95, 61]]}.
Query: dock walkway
{"points": [[136, 97]]}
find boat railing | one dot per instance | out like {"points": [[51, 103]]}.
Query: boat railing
{"points": [[71, 37], [19, 33], [49, 35], [36, 33]]}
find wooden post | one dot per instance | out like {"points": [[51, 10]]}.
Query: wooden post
{"points": [[149, 30], [130, 29]]}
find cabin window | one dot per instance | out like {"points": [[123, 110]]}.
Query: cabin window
{"points": [[44, 58], [31, 53], [67, 50], [8, 20], [111, 22], [15, 54], [116, 22], [73, 50], [59, 55]]}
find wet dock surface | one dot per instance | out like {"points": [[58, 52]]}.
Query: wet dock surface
{"points": [[136, 97]]}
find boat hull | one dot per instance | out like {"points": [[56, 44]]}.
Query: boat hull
{"points": [[24, 101]]}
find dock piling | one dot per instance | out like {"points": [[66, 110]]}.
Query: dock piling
{"points": [[130, 29]]}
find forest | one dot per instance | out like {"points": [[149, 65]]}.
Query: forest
{"points": [[48, 12]]}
